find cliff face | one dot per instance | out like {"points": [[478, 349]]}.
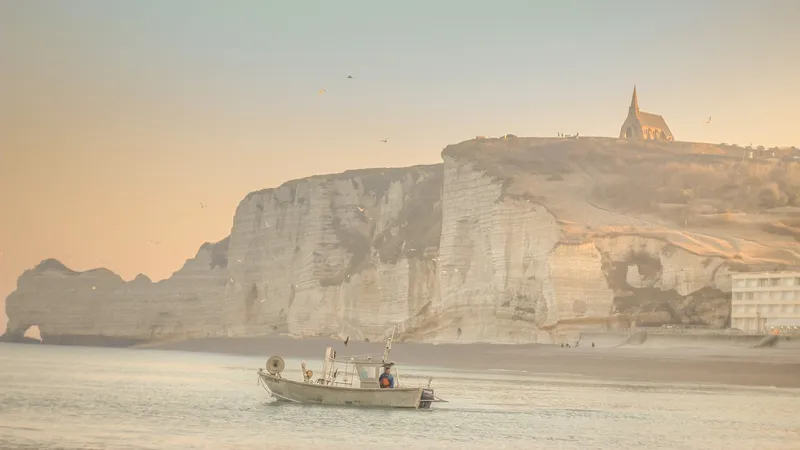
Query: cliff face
{"points": [[509, 240], [346, 254], [339, 254]]}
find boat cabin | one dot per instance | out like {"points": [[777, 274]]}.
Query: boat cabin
{"points": [[343, 372]]}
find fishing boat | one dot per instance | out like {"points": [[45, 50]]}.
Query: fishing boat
{"points": [[347, 381]]}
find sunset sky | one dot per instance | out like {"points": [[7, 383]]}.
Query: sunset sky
{"points": [[117, 118]]}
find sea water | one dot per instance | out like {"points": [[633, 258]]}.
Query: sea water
{"points": [[81, 397]]}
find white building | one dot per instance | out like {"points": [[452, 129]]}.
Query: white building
{"points": [[764, 301]]}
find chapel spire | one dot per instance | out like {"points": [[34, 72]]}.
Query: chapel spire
{"points": [[634, 108]]}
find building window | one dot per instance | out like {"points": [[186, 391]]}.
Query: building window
{"points": [[774, 281], [748, 295]]}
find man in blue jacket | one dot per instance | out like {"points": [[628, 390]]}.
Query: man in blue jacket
{"points": [[386, 380]]}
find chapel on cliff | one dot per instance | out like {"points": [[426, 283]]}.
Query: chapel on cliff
{"points": [[643, 125]]}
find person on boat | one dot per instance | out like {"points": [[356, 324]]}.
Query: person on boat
{"points": [[386, 380]]}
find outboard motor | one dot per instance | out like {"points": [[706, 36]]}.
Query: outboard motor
{"points": [[427, 398]]}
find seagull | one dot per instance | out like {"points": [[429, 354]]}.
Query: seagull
{"points": [[322, 91], [385, 140], [202, 205], [346, 341], [709, 119], [349, 77], [360, 208], [154, 243]]}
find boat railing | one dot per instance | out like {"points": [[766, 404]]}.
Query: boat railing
{"points": [[348, 374]]}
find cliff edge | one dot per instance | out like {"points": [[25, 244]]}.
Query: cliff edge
{"points": [[508, 240]]}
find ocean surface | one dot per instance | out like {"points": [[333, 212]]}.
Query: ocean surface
{"points": [[80, 397]]}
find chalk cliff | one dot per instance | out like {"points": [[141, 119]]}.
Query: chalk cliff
{"points": [[508, 240]]}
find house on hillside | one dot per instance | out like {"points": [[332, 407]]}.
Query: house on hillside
{"points": [[643, 125]]}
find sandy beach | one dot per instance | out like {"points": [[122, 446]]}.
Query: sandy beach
{"points": [[778, 367]]}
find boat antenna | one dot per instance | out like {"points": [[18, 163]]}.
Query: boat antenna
{"points": [[388, 347]]}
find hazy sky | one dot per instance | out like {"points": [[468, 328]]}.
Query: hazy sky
{"points": [[118, 117]]}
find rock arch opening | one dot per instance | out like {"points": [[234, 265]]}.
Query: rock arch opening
{"points": [[33, 333]]}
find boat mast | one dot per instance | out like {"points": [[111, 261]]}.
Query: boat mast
{"points": [[388, 346]]}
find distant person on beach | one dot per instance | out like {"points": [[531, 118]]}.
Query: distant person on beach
{"points": [[386, 379]]}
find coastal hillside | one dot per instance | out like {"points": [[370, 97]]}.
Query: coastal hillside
{"points": [[508, 240]]}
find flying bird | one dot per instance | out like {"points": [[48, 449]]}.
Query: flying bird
{"points": [[385, 140], [709, 119], [360, 209], [155, 243], [350, 77], [322, 91], [346, 341], [202, 205]]}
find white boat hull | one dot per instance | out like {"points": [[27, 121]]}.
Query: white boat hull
{"points": [[318, 394]]}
